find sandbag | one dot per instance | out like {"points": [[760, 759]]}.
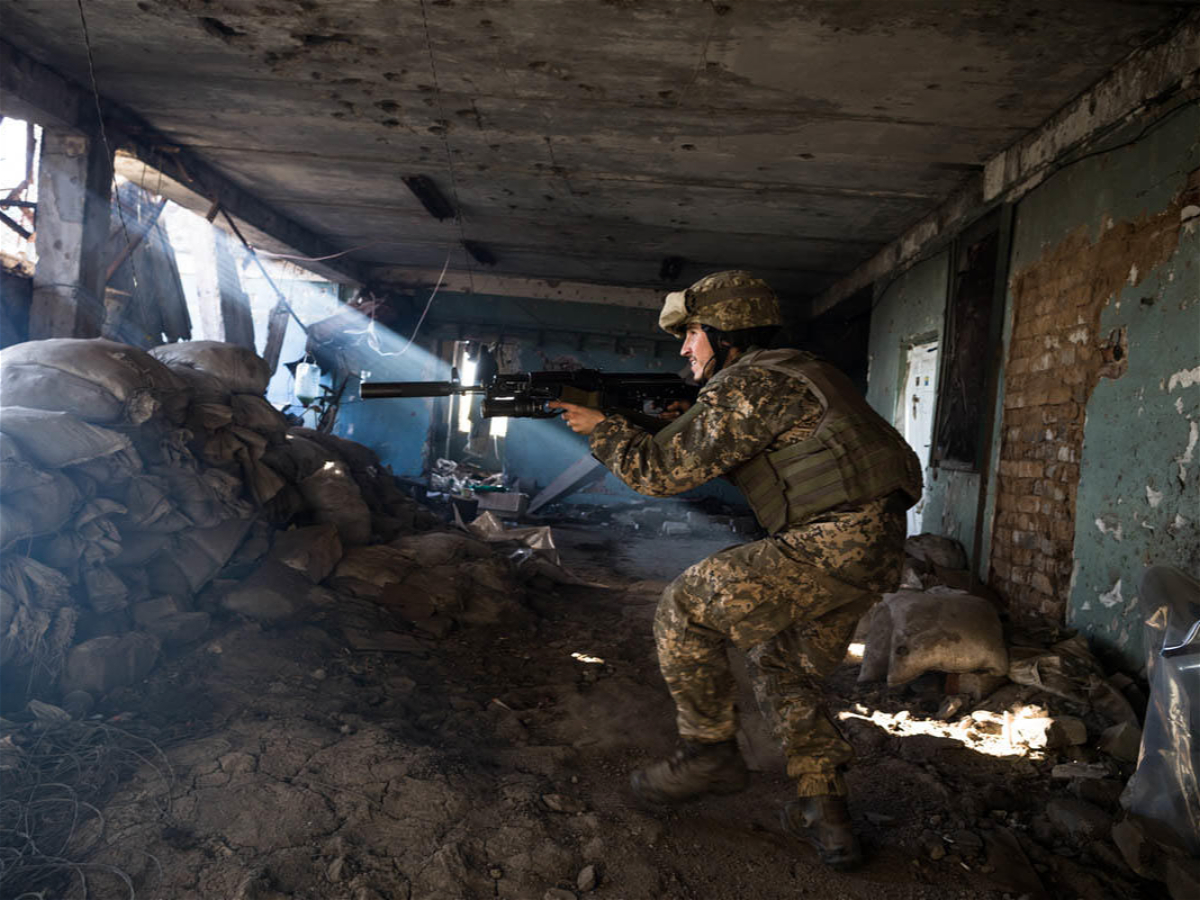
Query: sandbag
{"points": [[207, 498], [16, 473], [936, 549], [105, 591], [360, 458], [38, 621], [254, 412], [193, 558], [333, 496], [241, 370], [56, 439], [297, 457], [911, 633], [139, 547], [34, 511], [95, 379], [202, 387], [149, 508]]}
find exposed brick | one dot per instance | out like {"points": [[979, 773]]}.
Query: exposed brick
{"points": [[1041, 583]]}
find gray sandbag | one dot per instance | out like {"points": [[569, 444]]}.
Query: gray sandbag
{"points": [[37, 621], [202, 387], [105, 663], [149, 508], [206, 497], [254, 412], [53, 440], [241, 370], [105, 591], [17, 473], [911, 633], [41, 509], [314, 550], [139, 547], [297, 457], [95, 379], [92, 538], [460, 586], [937, 550], [274, 592], [333, 496], [193, 558], [361, 459], [205, 417]]}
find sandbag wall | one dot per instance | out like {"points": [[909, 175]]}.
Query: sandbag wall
{"points": [[129, 480]]}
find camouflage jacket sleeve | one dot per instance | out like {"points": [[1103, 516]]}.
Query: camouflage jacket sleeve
{"points": [[739, 414]]}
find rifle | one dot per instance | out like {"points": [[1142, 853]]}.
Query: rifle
{"points": [[526, 394]]}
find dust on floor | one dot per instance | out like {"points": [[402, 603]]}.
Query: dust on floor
{"points": [[494, 763]]}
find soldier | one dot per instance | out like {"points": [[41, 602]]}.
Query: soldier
{"points": [[829, 480]]}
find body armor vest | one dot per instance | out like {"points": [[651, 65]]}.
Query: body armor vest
{"points": [[852, 457]]}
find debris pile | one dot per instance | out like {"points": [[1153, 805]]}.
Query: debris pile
{"points": [[1037, 695], [132, 482]]}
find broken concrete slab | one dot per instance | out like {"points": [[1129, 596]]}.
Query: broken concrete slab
{"points": [[314, 550], [105, 663]]}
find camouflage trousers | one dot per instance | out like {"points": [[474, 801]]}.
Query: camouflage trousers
{"points": [[794, 620]]}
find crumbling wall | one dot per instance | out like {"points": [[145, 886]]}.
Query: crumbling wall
{"points": [[1100, 403], [909, 310]]}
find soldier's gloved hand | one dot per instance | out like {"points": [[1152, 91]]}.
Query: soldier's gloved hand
{"points": [[675, 409], [580, 419]]}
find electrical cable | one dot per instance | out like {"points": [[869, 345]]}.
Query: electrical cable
{"points": [[445, 128], [87, 43]]}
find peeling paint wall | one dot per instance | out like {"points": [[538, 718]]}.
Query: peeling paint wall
{"points": [[1097, 468], [911, 309]]}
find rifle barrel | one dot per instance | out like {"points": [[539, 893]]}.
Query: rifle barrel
{"points": [[378, 390]]}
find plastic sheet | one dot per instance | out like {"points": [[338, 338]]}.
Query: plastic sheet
{"points": [[1164, 786]]}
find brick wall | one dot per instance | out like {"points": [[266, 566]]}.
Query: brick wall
{"points": [[1056, 356]]}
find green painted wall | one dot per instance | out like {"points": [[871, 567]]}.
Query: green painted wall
{"points": [[911, 308], [1139, 491]]}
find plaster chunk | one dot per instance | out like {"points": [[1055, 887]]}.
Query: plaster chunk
{"points": [[1153, 497], [1190, 211], [1184, 378], [1116, 531], [1113, 597]]}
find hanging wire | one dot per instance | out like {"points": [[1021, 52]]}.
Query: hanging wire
{"points": [[445, 128], [87, 42]]}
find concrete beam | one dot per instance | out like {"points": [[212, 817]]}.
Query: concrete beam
{"points": [[74, 184], [515, 286], [1137, 86], [35, 92]]}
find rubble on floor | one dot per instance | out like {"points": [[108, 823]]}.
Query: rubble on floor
{"points": [[1005, 691]]}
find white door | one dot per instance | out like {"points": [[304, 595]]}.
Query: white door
{"points": [[918, 399]]}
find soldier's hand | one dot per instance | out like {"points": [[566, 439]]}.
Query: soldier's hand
{"points": [[580, 419], [675, 409]]}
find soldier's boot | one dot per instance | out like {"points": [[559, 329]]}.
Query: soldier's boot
{"points": [[693, 771], [824, 823]]}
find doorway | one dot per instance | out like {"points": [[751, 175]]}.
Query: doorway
{"points": [[919, 397]]}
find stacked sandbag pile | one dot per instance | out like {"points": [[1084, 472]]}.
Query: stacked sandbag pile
{"points": [[128, 482]]}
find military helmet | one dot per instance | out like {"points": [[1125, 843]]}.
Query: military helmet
{"points": [[727, 301]]}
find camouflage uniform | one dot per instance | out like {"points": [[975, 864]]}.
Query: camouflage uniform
{"points": [[791, 600]]}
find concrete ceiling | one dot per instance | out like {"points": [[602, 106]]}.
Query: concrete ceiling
{"points": [[585, 140]]}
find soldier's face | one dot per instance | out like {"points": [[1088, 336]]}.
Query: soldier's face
{"points": [[698, 352]]}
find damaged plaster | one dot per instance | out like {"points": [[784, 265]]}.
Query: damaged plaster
{"points": [[1101, 331]]}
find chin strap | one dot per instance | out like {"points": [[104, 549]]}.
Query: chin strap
{"points": [[719, 348]]}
